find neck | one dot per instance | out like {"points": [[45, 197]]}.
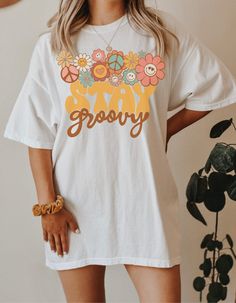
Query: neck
{"points": [[102, 12]]}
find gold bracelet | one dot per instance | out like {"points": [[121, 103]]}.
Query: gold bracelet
{"points": [[48, 208]]}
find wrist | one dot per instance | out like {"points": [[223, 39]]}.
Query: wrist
{"points": [[46, 197]]}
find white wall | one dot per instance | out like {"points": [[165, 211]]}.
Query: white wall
{"points": [[24, 278]]}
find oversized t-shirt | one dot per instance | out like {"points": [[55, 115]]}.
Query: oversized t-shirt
{"points": [[104, 115]]}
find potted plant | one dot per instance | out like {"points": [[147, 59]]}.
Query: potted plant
{"points": [[210, 187]]}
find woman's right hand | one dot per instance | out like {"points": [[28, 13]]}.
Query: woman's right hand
{"points": [[55, 226], [55, 229]]}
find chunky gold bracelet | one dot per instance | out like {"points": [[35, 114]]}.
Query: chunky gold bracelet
{"points": [[48, 208]]}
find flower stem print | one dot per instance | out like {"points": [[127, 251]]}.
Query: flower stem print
{"points": [[209, 189]]}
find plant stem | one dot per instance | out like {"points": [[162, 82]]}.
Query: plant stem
{"points": [[233, 253], [214, 252], [233, 125]]}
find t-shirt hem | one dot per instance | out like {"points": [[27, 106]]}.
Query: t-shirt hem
{"points": [[113, 261], [203, 106], [28, 141]]}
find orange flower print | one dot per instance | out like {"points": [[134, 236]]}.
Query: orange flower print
{"points": [[99, 71], [98, 55], [64, 59], [131, 60], [115, 61], [149, 70]]}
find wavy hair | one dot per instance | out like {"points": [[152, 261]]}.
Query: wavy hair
{"points": [[72, 15]]}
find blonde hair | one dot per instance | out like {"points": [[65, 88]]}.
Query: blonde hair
{"points": [[74, 14]]}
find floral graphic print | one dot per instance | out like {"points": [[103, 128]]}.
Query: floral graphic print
{"points": [[100, 71], [115, 61], [86, 79], [128, 79], [134, 67], [64, 59], [149, 70], [115, 79], [69, 73], [131, 60], [130, 76], [83, 62], [98, 55]]}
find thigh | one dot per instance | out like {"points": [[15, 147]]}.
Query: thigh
{"points": [[156, 284], [84, 284]]}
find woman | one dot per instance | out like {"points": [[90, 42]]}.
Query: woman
{"points": [[92, 111]]}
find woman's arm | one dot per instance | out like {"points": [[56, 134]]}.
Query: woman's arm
{"points": [[182, 119], [55, 226], [42, 171]]}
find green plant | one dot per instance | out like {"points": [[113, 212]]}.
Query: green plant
{"points": [[209, 187]]}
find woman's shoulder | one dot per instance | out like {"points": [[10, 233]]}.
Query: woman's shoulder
{"points": [[43, 48], [42, 55], [185, 35], [43, 40]]}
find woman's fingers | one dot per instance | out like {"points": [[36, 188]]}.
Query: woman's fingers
{"points": [[58, 244], [64, 241], [45, 235], [55, 231], [52, 242], [73, 224]]}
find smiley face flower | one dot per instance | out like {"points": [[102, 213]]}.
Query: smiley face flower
{"points": [[98, 55], [150, 70], [115, 79], [100, 71], [83, 62], [130, 76]]}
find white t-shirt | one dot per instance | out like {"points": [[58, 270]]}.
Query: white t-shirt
{"points": [[105, 118]]}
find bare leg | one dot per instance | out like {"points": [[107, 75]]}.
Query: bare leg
{"points": [[156, 284], [84, 284]]}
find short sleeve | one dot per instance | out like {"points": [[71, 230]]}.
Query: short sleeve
{"points": [[200, 80], [33, 120]]}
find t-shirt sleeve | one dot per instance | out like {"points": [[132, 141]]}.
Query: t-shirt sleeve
{"points": [[33, 120], [200, 80]]}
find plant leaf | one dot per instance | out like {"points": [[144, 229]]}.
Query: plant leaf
{"points": [[223, 157], [200, 171], [206, 239], [219, 128], [214, 201], [199, 283], [230, 241], [208, 165], [195, 212], [231, 189]]}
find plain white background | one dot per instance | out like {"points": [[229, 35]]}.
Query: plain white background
{"points": [[24, 277]]}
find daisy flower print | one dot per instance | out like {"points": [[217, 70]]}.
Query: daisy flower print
{"points": [[83, 62]]}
